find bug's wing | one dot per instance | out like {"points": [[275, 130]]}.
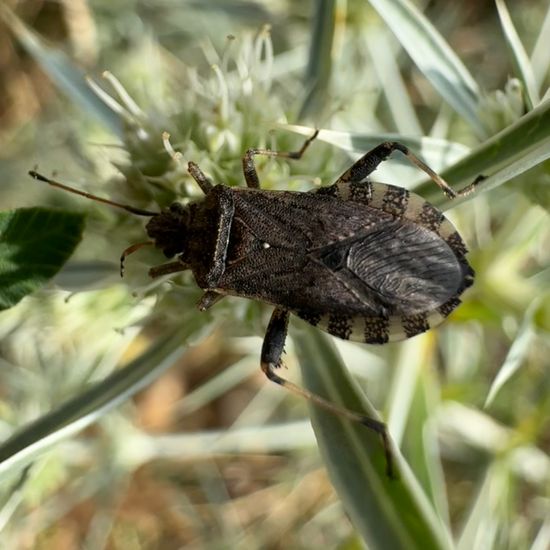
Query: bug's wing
{"points": [[351, 269]]}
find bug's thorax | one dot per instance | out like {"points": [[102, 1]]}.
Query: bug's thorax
{"points": [[196, 233]]}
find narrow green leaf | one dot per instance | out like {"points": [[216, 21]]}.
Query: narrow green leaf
{"points": [[509, 153], [34, 244], [411, 416], [486, 518], [433, 56], [540, 57], [438, 153], [62, 71], [87, 275], [389, 513], [88, 406], [319, 64], [516, 354], [386, 67], [519, 55]]}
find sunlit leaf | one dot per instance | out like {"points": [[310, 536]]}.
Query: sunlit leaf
{"points": [[433, 56], [88, 406], [520, 57], [389, 513], [34, 244]]}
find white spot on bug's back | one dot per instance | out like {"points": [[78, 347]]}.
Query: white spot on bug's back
{"points": [[266, 245]]}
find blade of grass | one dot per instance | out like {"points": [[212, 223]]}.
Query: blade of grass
{"points": [[411, 417], [484, 521], [519, 56], [389, 513], [434, 57], [540, 57], [386, 69]]}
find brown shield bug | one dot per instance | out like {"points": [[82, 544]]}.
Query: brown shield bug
{"points": [[360, 260]]}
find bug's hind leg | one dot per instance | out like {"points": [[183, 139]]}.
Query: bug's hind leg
{"points": [[249, 168], [370, 161], [272, 350]]}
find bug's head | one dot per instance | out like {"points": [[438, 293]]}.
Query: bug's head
{"points": [[168, 229]]}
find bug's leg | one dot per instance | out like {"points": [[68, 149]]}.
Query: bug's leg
{"points": [[370, 161], [130, 250], [208, 299], [198, 175], [165, 269], [272, 350], [249, 168]]}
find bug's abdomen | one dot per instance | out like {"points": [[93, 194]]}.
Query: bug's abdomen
{"points": [[405, 278]]}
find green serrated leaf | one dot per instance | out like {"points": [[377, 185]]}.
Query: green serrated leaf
{"points": [[34, 244]]}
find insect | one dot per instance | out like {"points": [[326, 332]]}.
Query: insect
{"points": [[360, 260]]}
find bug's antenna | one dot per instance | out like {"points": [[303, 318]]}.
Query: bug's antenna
{"points": [[131, 209]]}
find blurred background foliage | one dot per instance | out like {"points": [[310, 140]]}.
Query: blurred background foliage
{"points": [[208, 454]]}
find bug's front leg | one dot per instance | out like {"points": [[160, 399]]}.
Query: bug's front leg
{"points": [[198, 175], [166, 269], [272, 351], [208, 299], [249, 168]]}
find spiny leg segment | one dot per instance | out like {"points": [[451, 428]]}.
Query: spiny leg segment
{"points": [[370, 161], [272, 350]]}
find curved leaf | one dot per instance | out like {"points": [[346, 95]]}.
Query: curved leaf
{"points": [[88, 406], [519, 55], [34, 244], [433, 56], [389, 513], [505, 155]]}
